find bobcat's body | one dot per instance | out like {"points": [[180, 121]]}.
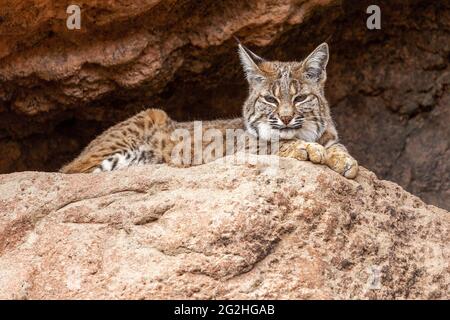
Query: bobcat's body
{"points": [[141, 139], [286, 101]]}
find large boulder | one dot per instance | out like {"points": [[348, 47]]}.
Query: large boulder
{"points": [[388, 88], [266, 228]]}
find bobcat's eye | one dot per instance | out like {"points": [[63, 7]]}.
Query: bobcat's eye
{"points": [[300, 98], [270, 99]]}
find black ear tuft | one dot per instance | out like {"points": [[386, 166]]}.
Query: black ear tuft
{"points": [[250, 62], [316, 63]]}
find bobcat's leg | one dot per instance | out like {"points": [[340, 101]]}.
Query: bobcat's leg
{"points": [[302, 150], [140, 139], [339, 160]]}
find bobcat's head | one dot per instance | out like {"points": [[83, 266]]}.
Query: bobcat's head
{"points": [[286, 99]]}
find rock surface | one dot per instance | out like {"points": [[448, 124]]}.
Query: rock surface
{"points": [[221, 230], [388, 88]]}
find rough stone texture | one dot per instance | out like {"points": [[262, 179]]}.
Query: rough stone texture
{"points": [[389, 88], [221, 230]]}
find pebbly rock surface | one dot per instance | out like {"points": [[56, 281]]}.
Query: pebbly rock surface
{"points": [[224, 230], [388, 88]]}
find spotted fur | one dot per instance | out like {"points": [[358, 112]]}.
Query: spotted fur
{"points": [[286, 100], [142, 139]]}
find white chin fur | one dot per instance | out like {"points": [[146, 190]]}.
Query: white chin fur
{"points": [[266, 132]]}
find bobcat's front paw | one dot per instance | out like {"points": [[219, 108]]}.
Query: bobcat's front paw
{"points": [[293, 149], [301, 150], [316, 152], [342, 163]]}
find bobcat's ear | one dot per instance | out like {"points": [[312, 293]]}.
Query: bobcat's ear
{"points": [[250, 62], [315, 64]]}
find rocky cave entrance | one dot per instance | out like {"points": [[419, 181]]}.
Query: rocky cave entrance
{"points": [[388, 88]]}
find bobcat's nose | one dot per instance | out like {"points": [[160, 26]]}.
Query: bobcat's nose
{"points": [[286, 119]]}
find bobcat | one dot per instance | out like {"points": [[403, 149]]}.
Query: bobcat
{"points": [[286, 101]]}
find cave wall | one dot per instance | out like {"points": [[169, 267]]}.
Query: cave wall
{"points": [[388, 88]]}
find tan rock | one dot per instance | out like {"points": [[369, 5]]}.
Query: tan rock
{"points": [[220, 230], [60, 88]]}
